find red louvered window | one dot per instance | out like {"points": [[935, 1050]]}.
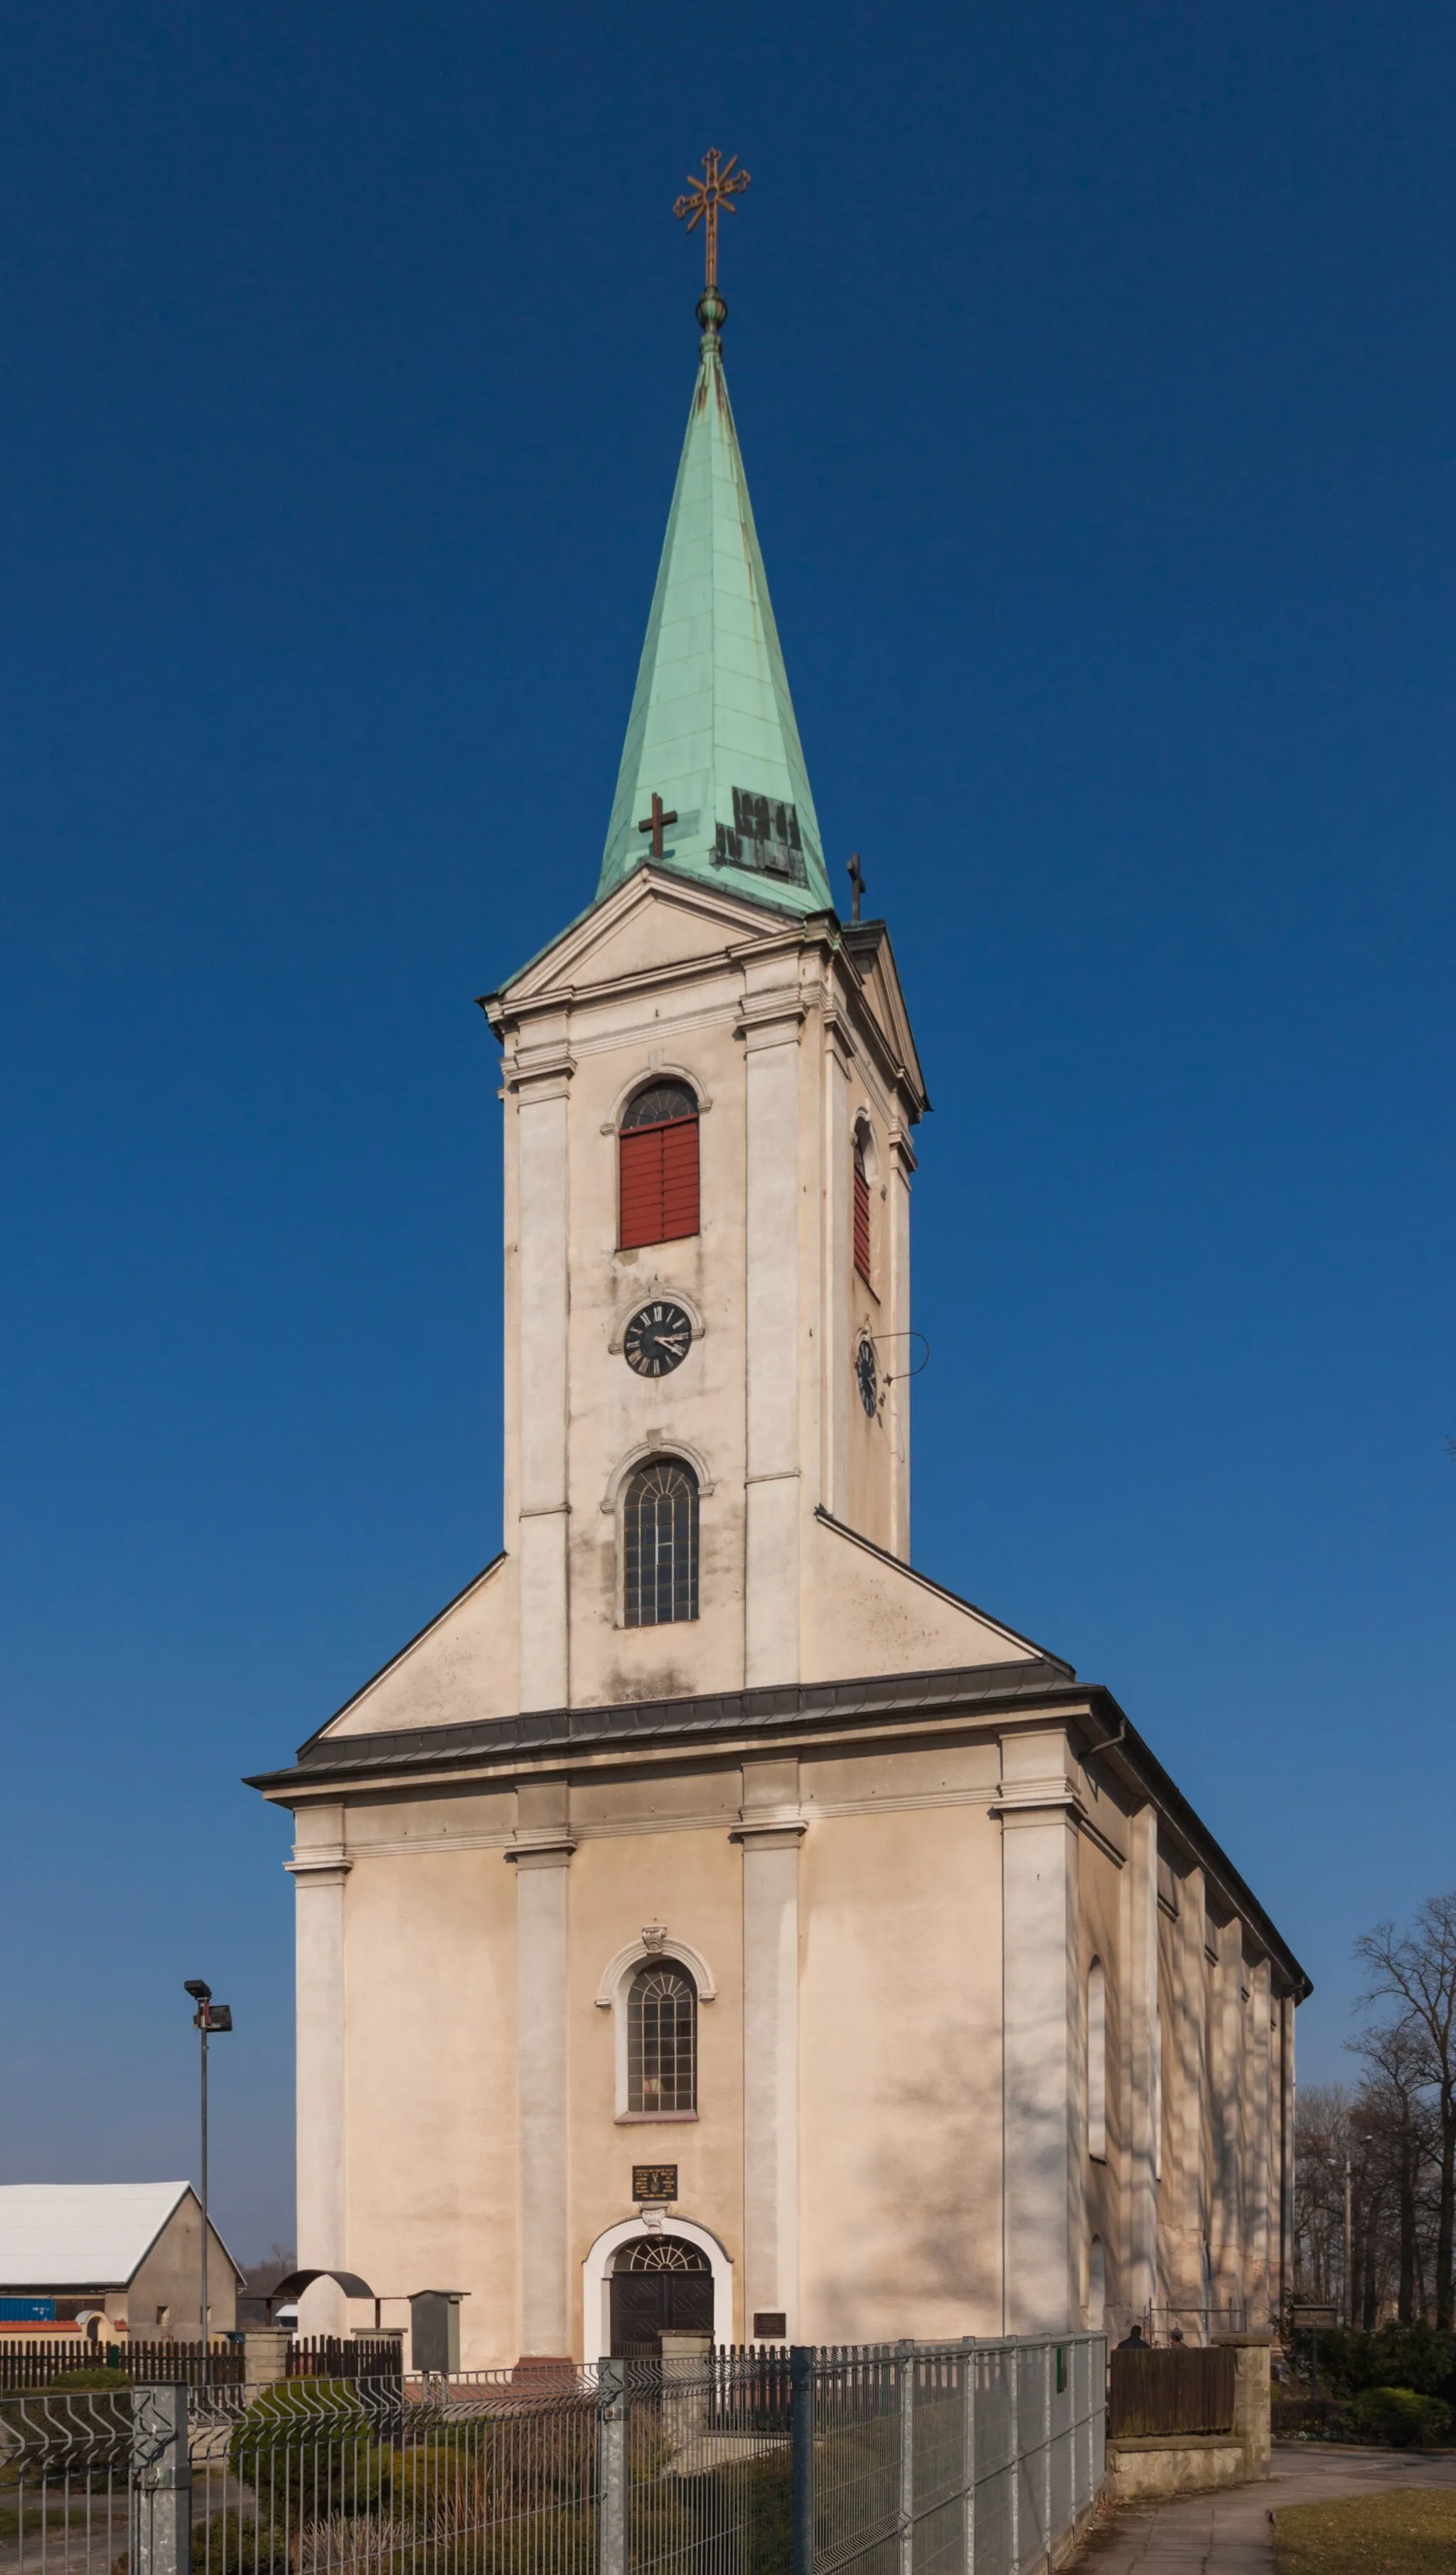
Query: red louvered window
{"points": [[861, 1215], [658, 1166]]}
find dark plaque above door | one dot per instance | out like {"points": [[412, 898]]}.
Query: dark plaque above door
{"points": [[654, 2181]]}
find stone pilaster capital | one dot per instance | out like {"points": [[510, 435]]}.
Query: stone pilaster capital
{"points": [[768, 1832], [319, 1868], [542, 1850]]}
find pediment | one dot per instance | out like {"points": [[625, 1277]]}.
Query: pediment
{"points": [[880, 989], [460, 1667], [652, 920]]}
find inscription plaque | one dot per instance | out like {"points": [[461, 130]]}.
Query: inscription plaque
{"points": [[655, 2181]]}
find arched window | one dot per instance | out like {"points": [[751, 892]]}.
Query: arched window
{"points": [[662, 2039], [862, 1212], [656, 1185], [660, 1545], [1098, 2061]]}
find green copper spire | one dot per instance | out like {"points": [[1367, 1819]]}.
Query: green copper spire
{"points": [[712, 731]]}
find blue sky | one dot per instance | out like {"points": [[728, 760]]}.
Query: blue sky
{"points": [[1094, 373]]}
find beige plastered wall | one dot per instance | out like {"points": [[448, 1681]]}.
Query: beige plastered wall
{"points": [[903, 1989]]}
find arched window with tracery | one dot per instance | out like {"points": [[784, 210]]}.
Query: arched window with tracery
{"points": [[861, 1211], [662, 2039], [656, 1169], [660, 1545]]}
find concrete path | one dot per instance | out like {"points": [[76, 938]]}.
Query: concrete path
{"points": [[1229, 2534]]}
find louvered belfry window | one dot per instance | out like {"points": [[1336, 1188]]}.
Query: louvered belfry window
{"points": [[662, 2012], [660, 1541], [658, 1166], [862, 1214]]}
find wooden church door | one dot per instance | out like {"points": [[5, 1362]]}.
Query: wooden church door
{"points": [[661, 2285]]}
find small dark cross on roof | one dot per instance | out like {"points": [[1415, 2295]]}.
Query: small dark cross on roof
{"points": [[654, 823], [855, 875]]}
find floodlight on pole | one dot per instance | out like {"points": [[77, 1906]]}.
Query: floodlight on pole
{"points": [[207, 2017]]}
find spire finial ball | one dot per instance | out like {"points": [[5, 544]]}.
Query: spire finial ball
{"points": [[712, 312]]}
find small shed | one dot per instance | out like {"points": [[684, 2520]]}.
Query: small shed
{"points": [[128, 2252]]}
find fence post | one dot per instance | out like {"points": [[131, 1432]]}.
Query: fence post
{"points": [[1012, 2351], [905, 2358], [1048, 2389], [802, 2427], [967, 2446], [611, 2405], [161, 2482]]}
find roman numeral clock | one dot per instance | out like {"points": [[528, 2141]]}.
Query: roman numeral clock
{"points": [[657, 1339]]}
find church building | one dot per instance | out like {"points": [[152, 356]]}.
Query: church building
{"points": [[708, 1922]]}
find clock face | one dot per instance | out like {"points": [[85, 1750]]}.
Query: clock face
{"points": [[867, 1375], [657, 1339]]}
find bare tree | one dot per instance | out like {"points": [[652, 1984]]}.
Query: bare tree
{"points": [[1393, 2109], [1415, 1971]]}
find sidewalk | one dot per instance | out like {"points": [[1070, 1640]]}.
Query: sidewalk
{"points": [[1229, 2534]]}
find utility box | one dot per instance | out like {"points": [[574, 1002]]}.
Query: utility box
{"points": [[435, 2330]]}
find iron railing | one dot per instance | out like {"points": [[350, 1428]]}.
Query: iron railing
{"points": [[909, 2459]]}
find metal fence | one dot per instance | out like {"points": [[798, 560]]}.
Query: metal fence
{"points": [[911, 2459], [29, 2364]]}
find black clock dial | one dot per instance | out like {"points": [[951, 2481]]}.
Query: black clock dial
{"points": [[867, 1375], [657, 1339]]}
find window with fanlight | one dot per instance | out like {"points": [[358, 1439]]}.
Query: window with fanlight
{"points": [[660, 1545], [662, 2041], [657, 1166]]}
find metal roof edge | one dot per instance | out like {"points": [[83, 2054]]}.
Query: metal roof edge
{"points": [[1148, 1773], [426, 1748]]}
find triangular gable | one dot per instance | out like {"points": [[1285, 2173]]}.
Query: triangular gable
{"points": [[603, 942], [867, 1610], [869, 946], [462, 1665]]}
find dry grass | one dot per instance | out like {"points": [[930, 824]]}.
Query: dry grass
{"points": [[1409, 2532]]}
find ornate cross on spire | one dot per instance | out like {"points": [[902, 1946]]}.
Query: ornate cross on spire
{"points": [[717, 188]]}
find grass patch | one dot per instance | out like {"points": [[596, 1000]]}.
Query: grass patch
{"points": [[1409, 2533]]}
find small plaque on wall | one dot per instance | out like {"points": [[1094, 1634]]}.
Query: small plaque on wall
{"points": [[771, 2325], [655, 2181]]}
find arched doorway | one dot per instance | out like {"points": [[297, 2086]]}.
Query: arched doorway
{"points": [[659, 2284]]}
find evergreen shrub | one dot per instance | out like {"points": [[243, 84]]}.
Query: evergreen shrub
{"points": [[1399, 2416]]}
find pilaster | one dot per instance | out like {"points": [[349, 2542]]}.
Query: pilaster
{"points": [[1142, 2048], [1042, 2089], [541, 1857], [769, 1017], [770, 1835], [1185, 2224], [320, 1871], [836, 1377], [1258, 2149], [901, 1163], [1227, 2232], [540, 1077]]}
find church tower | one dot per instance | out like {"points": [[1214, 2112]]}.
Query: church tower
{"points": [[707, 1923], [710, 1092]]}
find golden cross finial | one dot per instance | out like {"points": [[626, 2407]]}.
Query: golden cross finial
{"points": [[717, 187]]}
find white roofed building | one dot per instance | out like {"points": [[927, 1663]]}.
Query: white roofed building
{"points": [[130, 2250]]}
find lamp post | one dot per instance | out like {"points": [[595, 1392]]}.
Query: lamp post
{"points": [[207, 2017]]}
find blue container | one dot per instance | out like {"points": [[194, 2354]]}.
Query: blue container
{"points": [[26, 2311]]}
